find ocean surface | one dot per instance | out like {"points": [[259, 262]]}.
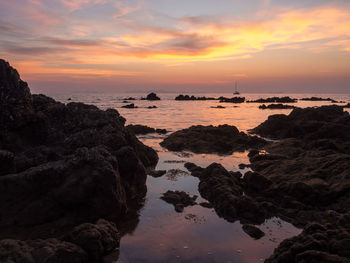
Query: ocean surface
{"points": [[161, 235]]}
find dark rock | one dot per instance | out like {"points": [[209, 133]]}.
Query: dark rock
{"points": [[224, 191], [34, 251], [206, 204], [218, 107], [319, 99], [179, 199], [253, 231], [187, 97], [276, 106], [274, 100], [142, 129], [243, 166], [97, 240], [152, 107], [157, 173], [65, 161], [130, 106], [322, 122], [222, 139], [232, 100], [152, 96], [6, 162], [346, 106]]}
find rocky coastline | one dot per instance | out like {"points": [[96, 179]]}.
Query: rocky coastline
{"points": [[65, 167]]}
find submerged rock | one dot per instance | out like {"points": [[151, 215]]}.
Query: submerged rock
{"points": [[179, 199], [253, 231], [142, 129], [222, 139]]}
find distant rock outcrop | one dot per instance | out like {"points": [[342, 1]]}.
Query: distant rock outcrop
{"points": [[274, 100], [152, 96]]}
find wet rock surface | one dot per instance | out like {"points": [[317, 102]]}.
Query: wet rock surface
{"points": [[223, 139], [157, 173], [142, 129], [179, 199]]}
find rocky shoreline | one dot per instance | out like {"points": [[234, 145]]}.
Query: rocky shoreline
{"points": [[79, 175], [64, 166]]}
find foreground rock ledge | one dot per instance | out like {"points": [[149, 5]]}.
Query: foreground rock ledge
{"points": [[223, 139], [62, 163]]}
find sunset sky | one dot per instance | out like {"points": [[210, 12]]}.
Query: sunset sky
{"points": [[172, 45]]}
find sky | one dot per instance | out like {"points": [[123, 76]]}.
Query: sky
{"points": [[61, 46]]}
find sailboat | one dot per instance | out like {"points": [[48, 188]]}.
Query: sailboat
{"points": [[236, 91]]}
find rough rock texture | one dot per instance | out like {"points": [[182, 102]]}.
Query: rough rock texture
{"points": [[222, 139], [96, 240], [69, 160], [278, 106], [224, 190], [142, 129], [85, 243], [274, 100], [179, 199], [317, 243], [308, 172]]}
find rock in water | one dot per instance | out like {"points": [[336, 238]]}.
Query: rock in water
{"points": [[253, 231], [72, 160], [152, 96], [179, 199], [223, 139]]}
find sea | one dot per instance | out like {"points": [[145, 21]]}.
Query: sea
{"points": [[197, 235]]}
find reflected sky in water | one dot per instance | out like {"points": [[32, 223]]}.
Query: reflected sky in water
{"points": [[197, 234]]}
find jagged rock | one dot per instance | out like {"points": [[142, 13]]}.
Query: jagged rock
{"points": [[223, 139], [319, 99], [65, 161]]}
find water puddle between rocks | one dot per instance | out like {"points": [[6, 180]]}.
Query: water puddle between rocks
{"points": [[197, 234]]}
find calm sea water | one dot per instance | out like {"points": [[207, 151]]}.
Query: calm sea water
{"points": [[197, 234]]}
